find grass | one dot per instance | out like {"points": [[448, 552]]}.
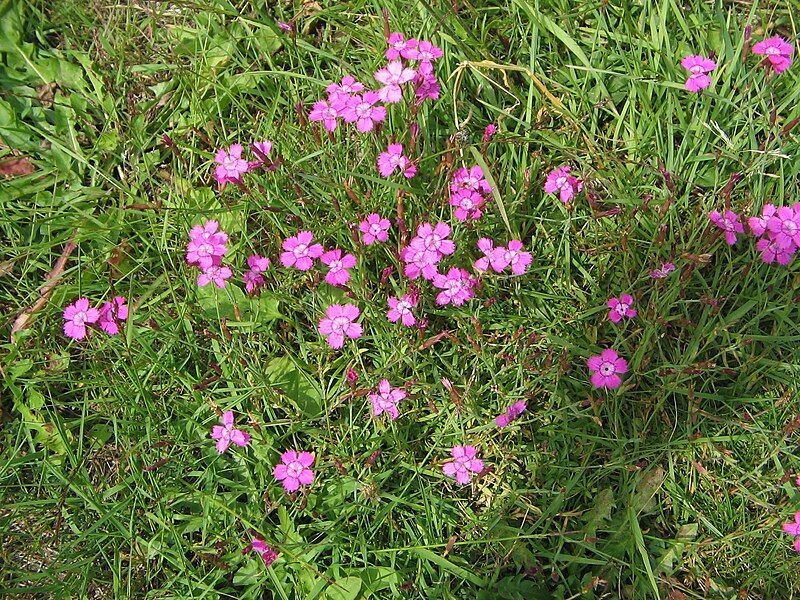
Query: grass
{"points": [[673, 487]]}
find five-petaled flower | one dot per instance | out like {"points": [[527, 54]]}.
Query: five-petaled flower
{"points": [[512, 413], [374, 229], [392, 77], [464, 464], [456, 287], [729, 223], [399, 46], [361, 110], [606, 369], [621, 307], [338, 266], [778, 52], [294, 470], [385, 399], [230, 165], [698, 67], [394, 159], [77, 315], [111, 313], [216, 274], [513, 255], [299, 252], [227, 433], [328, 112], [400, 309], [339, 322], [559, 180]]}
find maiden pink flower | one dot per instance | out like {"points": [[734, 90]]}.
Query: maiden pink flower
{"points": [[385, 399], [77, 315], [772, 251], [470, 179], [784, 227], [758, 225], [486, 246], [457, 287], [729, 224], [111, 313], [464, 464], [559, 180], [511, 255], [489, 131], [794, 529], [345, 89], [400, 309], [206, 248], [328, 112], [778, 52], [299, 252], [261, 151], [419, 260], [230, 165], [434, 238], [393, 159], [621, 307], [208, 231], [338, 266], [361, 110], [426, 87], [258, 264], [664, 271], [392, 77], [216, 274], [268, 555], [227, 433], [340, 322], [698, 67], [606, 369], [398, 46], [468, 203], [374, 228], [512, 413], [294, 470], [425, 52]]}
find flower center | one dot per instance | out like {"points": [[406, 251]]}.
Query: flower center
{"points": [[294, 470], [622, 308], [561, 182], [300, 250], [79, 319], [607, 369], [336, 265], [375, 228], [363, 110], [789, 227], [339, 323]]}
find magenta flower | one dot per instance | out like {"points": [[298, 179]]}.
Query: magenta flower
{"points": [[464, 464], [512, 413], [392, 77], [375, 228], [559, 180], [385, 399], [772, 251], [698, 67], [340, 322], [328, 113], [227, 433], [434, 238], [258, 264], [426, 87], [252, 281], [419, 260], [468, 203], [729, 224], [778, 52], [206, 245], [361, 110], [470, 179], [457, 287], [261, 150], [606, 369], [111, 313], [268, 555], [402, 309], [489, 131], [299, 252], [511, 255], [230, 165], [486, 246], [352, 376], [338, 266], [758, 225], [784, 227], [77, 315], [284, 25], [294, 471], [216, 274], [664, 271], [794, 529], [398, 46], [208, 231], [345, 89], [621, 307], [393, 159], [424, 52]]}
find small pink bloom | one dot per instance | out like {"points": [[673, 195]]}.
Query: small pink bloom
{"points": [[361, 110], [252, 281], [345, 89], [338, 266], [606, 369], [77, 315], [559, 180], [208, 231], [393, 159], [398, 46], [419, 260], [434, 238], [402, 310], [294, 470], [425, 52], [261, 151], [299, 252], [230, 165], [471, 179], [772, 251], [227, 433], [729, 224], [489, 131], [392, 77], [758, 225], [206, 245], [794, 529], [352, 376], [457, 287], [464, 464], [385, 399], [784, 227], [778, 52], [512, 413], [374, 228], [621, 307], [328, 113], [111, 313], [268, 555], [511, 255], [468, 203], [664, 271], [486, 246], [426, 87], [257, 264], [698, 66], [216, 274], [340, 322]]}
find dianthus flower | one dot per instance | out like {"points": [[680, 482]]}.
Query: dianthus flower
{"points": [[758, 225], [385, 399], [374, 228], [340, 322], [621, 307], [468, 203], [434, 238], [345, 89], [361, 110], [511, 255], [227, 433], [253, 279], [77, 315], [486, 246], [393, 159], [208, 231], [471, 179], [258, 264], [784, 227], [206, 245], [111, 313], [398, 46], [230, 165], [299, 252], [261, 150], [729, 224], [778, 52], [698, 67], [392, 77], [294, 471], [216, 274], [425, 53], [268, 555], [664, 271], [419, 260], [489, 131], [338, 266], [456, 287], [772, 251], [794, 529], [328, 112], [559, 180], [400, 309], [426, 87], [512, 413], [464, 464], [606, 369]]}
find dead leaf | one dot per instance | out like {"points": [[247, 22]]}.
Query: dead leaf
{"points": [[16, 166], [47, 94]]}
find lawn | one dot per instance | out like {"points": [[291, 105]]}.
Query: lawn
{"points": [[118, 130]]}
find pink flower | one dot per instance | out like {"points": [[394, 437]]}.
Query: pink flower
{"points": [[393, 159], [486, 246], [559, 180], [698, 66], [758, 225], [778, 52], [392, 77], [425, 52], [299, 252], [606, 369], [419, 260], [784, 227], [111, 313], [512, 413], [230, 165], [216, 274], [294, 471], [375, 228], [434, 238], [227, 433], [352, 376], [401, 309], [489, 131], [469, 205], [664, 271], [345, 89], [337, 266], [252, 281], [268, 555], [284, 25], [261, 150], [77, 315], [463, 464], [772, 251], [456, 287], [206, 245], [470, 179], [328, 113], [511, 255], [361, 110], [386, 399], [208, 231], [257, 264], [794, 529], [398, 46], [426, 87], [621, 307], [340, 322], [729, 224]]}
